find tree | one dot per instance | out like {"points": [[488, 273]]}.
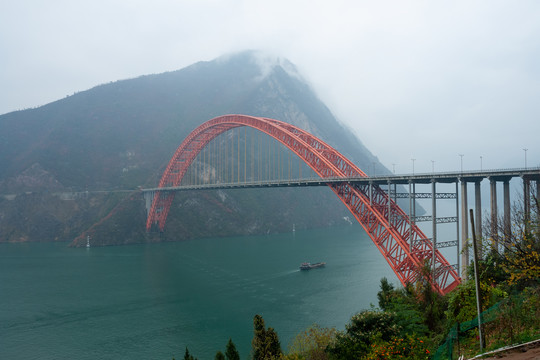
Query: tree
{"points": [[430, 302], [273, 346], [219, 356], [363, 330], [520, 258], [231, 353], [311, 343], [404, 303], [259, 338], [522, 252], [462, 300], [188, 356], [386, 294], [407, 347], [265, 344]]}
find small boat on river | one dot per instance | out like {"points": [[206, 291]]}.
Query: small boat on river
{"points": [[309, 266]]}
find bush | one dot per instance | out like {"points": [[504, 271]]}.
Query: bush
{"points": [[408, 347], [311, 343], [363, 330]]}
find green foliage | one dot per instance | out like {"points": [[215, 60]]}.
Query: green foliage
{"points": [[311, 343], [509, 280], [219, 356], [265, 343], [408, 347], [361, 332], [491, 271], [518, 317], [273, 346], [430, 302], [386, 295], [404, 303], [518, 265], [188, 356], [292, 356], [400, 331], [230, 352], [522, 255], [462, 301], [259, 338]]}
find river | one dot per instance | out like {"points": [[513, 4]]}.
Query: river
{"points": [[151, 301]]}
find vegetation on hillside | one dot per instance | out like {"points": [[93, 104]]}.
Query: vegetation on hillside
{"points": [[121, 135]]}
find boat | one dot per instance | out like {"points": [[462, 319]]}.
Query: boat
{"points": [[309, 266]]}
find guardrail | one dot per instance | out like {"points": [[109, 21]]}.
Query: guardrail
{"points": [[392, 179]]}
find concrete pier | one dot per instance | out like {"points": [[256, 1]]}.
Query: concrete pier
{"points": [[434, 222], [506, 219], [464, 230], [494, 219], [148, 198], [478, 216], [527, 200]]}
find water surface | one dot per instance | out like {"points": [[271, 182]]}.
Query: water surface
{"points": [[151, 301]]}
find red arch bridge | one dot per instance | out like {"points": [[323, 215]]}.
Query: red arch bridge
{"points": [[220, 150]]}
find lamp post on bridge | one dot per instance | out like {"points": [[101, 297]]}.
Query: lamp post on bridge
{"points": [[461, 155], [480, 162], [413, 160], [525, 151], [433, 166], [394, 168]]}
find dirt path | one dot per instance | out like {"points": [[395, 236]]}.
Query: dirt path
{"points": [[530, 351]]}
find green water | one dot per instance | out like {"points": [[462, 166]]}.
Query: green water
{"points": [[151, 301]]}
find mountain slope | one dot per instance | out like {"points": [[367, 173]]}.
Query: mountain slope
{"points": [[121, 135]]}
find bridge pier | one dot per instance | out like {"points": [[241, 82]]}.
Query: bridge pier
{"points": [[478, 216], [464, 230], [506, 196], [494, 219], [412, 213], [527, 192], [458, 260], [148, 198], [526, 200], [537, 191], [433, 222]]}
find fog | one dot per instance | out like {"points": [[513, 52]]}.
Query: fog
{"points": [[414, 80]]}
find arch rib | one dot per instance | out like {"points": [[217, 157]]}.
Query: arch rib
{"points": [[401, 242]]}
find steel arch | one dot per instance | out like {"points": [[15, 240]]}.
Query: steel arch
{"points": [[401, 242]]}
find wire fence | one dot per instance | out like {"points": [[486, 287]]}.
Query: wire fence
{"points": [[446, 350]]}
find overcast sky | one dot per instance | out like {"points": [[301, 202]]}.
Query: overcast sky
{"points": [[424, 80]]}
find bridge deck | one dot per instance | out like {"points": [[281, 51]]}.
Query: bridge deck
{"points": [[442, 177]]}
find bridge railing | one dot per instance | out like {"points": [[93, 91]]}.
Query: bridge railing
{"points": [[376, 179]]}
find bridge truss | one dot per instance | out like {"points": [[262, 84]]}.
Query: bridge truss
{"points": [[401, 242]]}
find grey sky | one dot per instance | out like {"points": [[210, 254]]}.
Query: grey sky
{"points": [[414, 79]]}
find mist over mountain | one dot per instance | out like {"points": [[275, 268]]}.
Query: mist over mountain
{"points": [[121, 135]]}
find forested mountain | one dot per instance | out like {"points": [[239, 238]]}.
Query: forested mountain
{"points": [[122, 134]]}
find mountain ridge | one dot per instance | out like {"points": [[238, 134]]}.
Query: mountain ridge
{"points": [[121, 135]]}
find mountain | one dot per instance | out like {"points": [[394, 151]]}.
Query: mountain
{"points": [[57, 158]]}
